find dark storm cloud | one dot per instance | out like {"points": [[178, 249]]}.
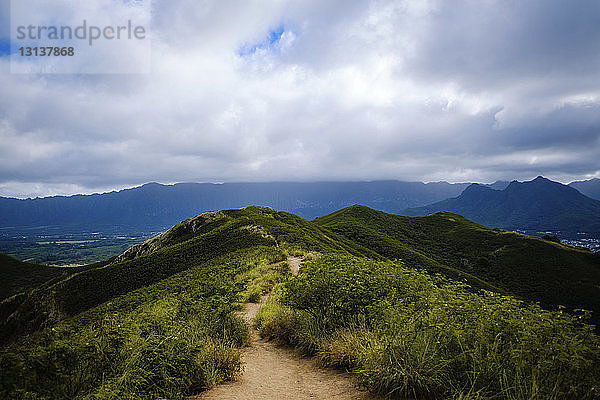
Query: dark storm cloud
{"points": [[570, 126], [487, 44]]}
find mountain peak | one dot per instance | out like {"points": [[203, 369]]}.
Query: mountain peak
{"points": [[542, 186], [476, 191], [476, 186], [498, 185], [541, 179], [537, 205]]}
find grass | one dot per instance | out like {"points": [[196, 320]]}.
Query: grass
{"points": [[18, 276], [169, 340], [80, 292], [159, 321], [260, 281], [407, 334], [530, 268]]}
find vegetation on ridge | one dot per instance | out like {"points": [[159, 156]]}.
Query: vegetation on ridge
{"points": [[18, 276], [528, 267], [407, 334], [169, 340], [159, 322]]}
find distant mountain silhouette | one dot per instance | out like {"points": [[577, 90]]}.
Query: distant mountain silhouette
{"points": [[155, 207], [538, 205], [590, 188], [498, 185]]}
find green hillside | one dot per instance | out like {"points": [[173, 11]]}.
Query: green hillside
{"points": [[528, 267], [188, 244], [18, 276], [159, 322], [409, 335]]}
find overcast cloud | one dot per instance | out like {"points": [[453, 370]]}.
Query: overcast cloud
{"points": [[306, 90]]}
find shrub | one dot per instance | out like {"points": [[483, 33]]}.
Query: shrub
{"points": [[169, 340], [410, 335]]}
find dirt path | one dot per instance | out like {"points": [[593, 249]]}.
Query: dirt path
{"points": [[295, 264], [273, 372]]}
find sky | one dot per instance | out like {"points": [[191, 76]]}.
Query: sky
{"points": [[276, 90]]}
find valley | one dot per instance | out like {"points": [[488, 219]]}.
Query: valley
{"points": [[56, 246]]}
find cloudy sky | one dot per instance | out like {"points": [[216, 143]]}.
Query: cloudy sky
{"points": [[307, 90]]}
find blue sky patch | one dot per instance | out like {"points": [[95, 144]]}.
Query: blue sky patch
{"points": [[270, 42], [4, 47]]}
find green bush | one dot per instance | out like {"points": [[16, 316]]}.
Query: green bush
{"points": [[263, 279], [410, 335], [253, 294]]}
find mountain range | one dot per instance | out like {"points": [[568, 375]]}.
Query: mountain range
{"points": [[540, 205], [156, 207]]}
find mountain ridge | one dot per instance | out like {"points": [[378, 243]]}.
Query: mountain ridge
{"points": [[539, 205], [463, 246], [443, 243], [156, 207], [590, 188]]}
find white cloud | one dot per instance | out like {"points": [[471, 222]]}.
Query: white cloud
{"points": [[349, 90]]}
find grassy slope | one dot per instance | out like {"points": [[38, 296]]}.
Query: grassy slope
{"points": [[18, 276], [529, 267], [167, 340], [187, 245], [158, 322], [159, 325]]}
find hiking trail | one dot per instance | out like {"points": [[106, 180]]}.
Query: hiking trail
{"points": [[275, 372]]}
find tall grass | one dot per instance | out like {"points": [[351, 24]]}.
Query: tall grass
{"points": [[261, 280], [409, 335], [166, 341]]}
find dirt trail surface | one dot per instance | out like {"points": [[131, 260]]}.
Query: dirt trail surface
{"points": [[295, 264], [273, 372]]}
